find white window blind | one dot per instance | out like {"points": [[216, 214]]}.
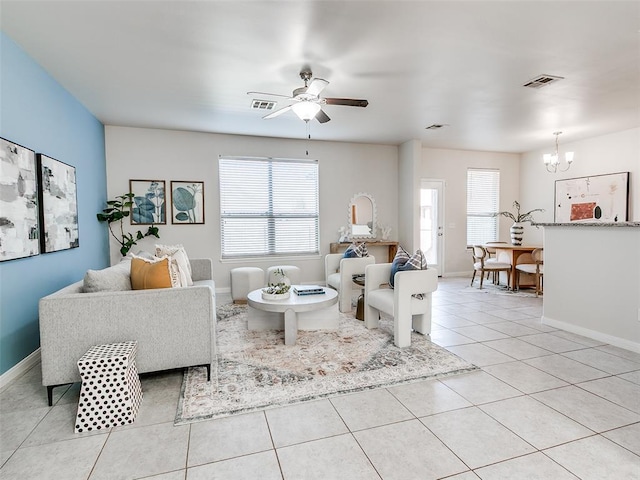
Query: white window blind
{"points": [[268, 206], [483, 199]]}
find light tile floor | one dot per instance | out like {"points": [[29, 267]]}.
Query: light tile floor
{"points": [[547, 404]]}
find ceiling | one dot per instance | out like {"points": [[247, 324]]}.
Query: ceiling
{"points": [[188, 65]]}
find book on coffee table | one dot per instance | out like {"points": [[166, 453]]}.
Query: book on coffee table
{"points": [[308, 290]]}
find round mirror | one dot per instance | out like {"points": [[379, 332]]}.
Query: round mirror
{"points": [[362, 216]]}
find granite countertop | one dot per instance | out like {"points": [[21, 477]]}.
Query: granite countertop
{"points": [[588, 224]]}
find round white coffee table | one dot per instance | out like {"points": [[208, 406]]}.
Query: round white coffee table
{"points": [[290, 308]]}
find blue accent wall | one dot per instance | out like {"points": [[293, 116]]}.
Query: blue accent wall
{"points": [[38, 113]]}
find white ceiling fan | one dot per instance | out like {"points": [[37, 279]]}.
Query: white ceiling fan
{"points": [[307, 101]]}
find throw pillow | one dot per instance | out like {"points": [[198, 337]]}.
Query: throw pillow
{"points": [[399, 260], [147, 274], [356, 251], [179, 263], [417, 262], [143, 254], [111, 279]]}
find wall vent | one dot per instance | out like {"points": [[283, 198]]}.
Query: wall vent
{"points": [[263, 104], [542, 80]]}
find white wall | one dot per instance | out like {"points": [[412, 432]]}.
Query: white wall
{"points": [[592, 282], [345, 169], [409, 195], [451, 166], [617, 152]]}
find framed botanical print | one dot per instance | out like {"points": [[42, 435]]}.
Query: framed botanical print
{"points": [[19, 225], [58, 205], [187, 202], [149, 206]]}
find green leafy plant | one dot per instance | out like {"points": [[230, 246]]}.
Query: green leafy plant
{"points": [[280, 287], [519, 217], [117, 210]]}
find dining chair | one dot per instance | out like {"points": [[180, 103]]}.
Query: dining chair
{"points": [[491, 250], [480, 264], [536, 268]]}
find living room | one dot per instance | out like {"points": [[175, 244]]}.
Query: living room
{"points": [[41, 114]]}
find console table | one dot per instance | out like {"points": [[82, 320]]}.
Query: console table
{"points": [[392, 247]]}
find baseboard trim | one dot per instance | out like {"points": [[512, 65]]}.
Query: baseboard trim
{"points": [[592, 334], [19, 369]]}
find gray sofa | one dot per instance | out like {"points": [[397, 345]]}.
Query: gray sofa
{"points": [[174, 327]]}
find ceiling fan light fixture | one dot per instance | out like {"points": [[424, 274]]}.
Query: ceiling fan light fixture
{"points": [[306, 110]]}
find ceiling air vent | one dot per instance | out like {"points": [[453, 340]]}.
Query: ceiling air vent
{"points": [[542, 80], [263, 104]]}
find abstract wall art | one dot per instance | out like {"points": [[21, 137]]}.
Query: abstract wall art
{"points": [[19, 230], [596, 199], [58, 205], [149, 206], [187, 202]]}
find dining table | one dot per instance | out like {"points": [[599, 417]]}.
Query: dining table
{"points": [[514, 255]]}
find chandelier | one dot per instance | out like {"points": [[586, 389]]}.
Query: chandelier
{"points": [[552, 160]]}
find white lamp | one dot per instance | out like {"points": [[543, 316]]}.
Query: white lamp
{"points": [[552, 160], [305, 110]]}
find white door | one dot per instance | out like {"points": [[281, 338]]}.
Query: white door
{"points": [[432, 221]]}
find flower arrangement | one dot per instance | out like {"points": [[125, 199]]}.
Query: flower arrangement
{"points": [[280, 287], [519, 217]]}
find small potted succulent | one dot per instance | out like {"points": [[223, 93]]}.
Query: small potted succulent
{"points": [[278, 290]]}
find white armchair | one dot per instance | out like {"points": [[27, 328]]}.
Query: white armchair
{"points": [[407, 311], [339, 273]]}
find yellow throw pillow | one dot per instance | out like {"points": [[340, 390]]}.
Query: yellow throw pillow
{"points": [[150, 274]]}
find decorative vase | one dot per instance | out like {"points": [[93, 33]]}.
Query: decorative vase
{"points": [[517, 232]]}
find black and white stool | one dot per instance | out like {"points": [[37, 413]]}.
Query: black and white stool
{"points": [[111, 391]]}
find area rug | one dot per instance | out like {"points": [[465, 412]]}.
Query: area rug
{"points": [[489, 288], [255, 370]]}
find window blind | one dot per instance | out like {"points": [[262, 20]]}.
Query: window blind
{"points": [[483, 199], [268, 206]]}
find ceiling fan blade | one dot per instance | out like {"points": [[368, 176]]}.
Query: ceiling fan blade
{"points": [[349, 102], [322, 117], [277, 113], [316, 86], [269, 94]]}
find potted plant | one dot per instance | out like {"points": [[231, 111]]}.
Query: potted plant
{"points": [[116, 211], [517, 229], [278, 290]]}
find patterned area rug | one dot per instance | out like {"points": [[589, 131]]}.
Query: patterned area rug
{"points": [[490, 288], [255, 370]]}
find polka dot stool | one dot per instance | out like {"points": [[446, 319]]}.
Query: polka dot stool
{"points": [[111, 391], [245, 280]]}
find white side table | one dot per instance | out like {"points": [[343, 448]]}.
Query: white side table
{"points": [[111, 393]]}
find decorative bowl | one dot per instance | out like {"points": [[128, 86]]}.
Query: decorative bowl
{"points": [[275, 296]]}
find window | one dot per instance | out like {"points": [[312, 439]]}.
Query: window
{"points": [[268, 206], [483, 195]]}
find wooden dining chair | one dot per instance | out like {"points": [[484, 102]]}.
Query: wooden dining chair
{"points": [[480, 264], [536, 268], [491, 250]]}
